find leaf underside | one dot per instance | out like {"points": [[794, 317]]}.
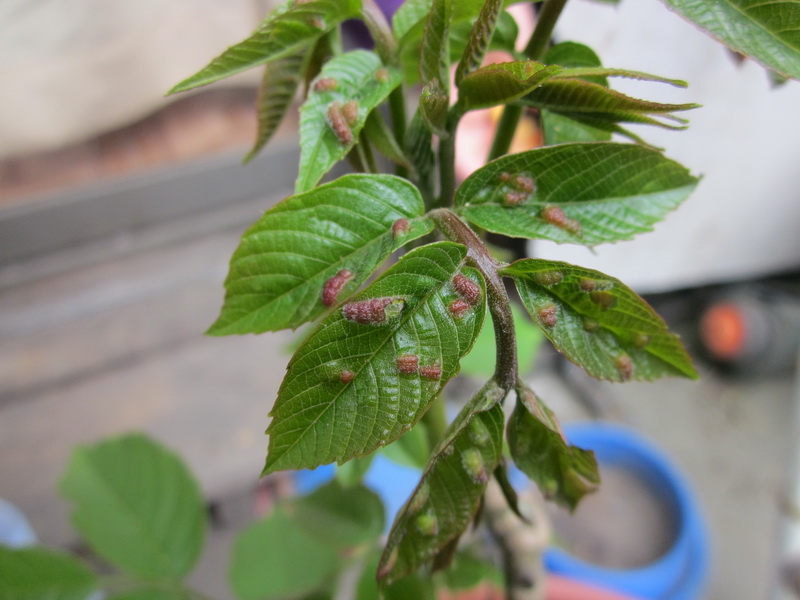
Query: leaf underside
{"points": [[756, 29], [599, 323], [38, 573], [448, 495], [359, 77], [607, 192], [278, 272], [321, 415], [480, 37], [501, 83]]}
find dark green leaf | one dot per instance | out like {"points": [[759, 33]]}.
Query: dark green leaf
{"points": [[449, 493], [276, 94], [433, 63], [39, 574], [352, 473], [584, 100], [344, 395], [509, 493], [468, 572], [137, 505], [563, 473], [502, 83], [379, 135], [340, 516], [504, 38], [347, 89], [280, 269], [419, 148], [584, 193], [599, 323], [277, 559], [572, 54], [281, 34], [413, 587], [152, 593], [767, 31], [480, 37]]}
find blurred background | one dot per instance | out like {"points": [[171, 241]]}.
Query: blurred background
{"points": [[120, 208]]}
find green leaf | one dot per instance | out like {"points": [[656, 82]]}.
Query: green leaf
{"points": [[600, 73], [155, 593], [352, 473], [564, 473], [598, 323], [280, 269], [277, 559], [433, 62], [502, 83], [468, 572], [379, 135], [480, 36], [39, 574], [281, 34], [419, 148], [769, 32], [334, 114], [276, 94], [344, 395], [409, 15], [572, 54], [583, 193], [416, 587], [340, 516], [433, 106], [504, 37], [449, 493], [593, 103], [137, 505]]}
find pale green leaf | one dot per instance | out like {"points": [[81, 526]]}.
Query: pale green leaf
{"points": [[433, 106], [278, 88], [434, 53], [564, 473], [40, 574], [599, 323], [419, 149], [480, 36], [573, 55], [357, 80], [414, 587], [378, 134], [585, 100], [343, 395], [352, 473], [152, 593], [769, 32], [468, 572], [277, 559], [340, 516], [137, 505], [280, 34], [412, 449], [280, 269], [449, 493], [584, 193], [589, 73], [502, 83]]}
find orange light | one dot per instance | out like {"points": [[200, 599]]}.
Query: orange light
{"points": [[724, 331]]}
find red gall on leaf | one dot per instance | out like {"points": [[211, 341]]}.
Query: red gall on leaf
{"points": [[588, 285], [407, 363], [505, 177], [382, 75], [524, 183], [555, 215], [374, 311], [334, 285], [548, 277], [474, 465], [339, 124], [548, 315], [624, 366], [514, 198], [347, 376], [458, 308], [467, 289], [431, 371], [350, 112], [325, 84], [400, 227], [604, 299]]}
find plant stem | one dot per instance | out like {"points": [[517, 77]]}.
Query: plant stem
{"points": [[535, 49], [397, 111], [447, 159], [505, 374]]}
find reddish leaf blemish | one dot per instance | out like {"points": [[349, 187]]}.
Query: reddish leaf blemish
{"points": [[407, 363], [374, 311], [467, 289], [400, 227], [431, 371], [325, 84], [339, 124], [458, 308], [548, 315], [334, 285]]}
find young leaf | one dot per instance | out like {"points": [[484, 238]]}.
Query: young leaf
{"points": [[276, 94], [563, 473], [277, 559], [415, 586], [587, 101], [282, 33], [504, 38], [370, 370], [347, 89], [585, 193], [480, 36], [598, 323], [419, 148], [433, 106], [379, 135], [572, 54], [502, 83], [449, 493], [137, 505], [765, 31], [433, 57], [600, 73], [278, 276], [340, 516], [39, 574]]}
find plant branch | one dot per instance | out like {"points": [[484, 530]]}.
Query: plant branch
{"points": [[505, 374], [447, 159], [397, 111], [535, 49]]}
